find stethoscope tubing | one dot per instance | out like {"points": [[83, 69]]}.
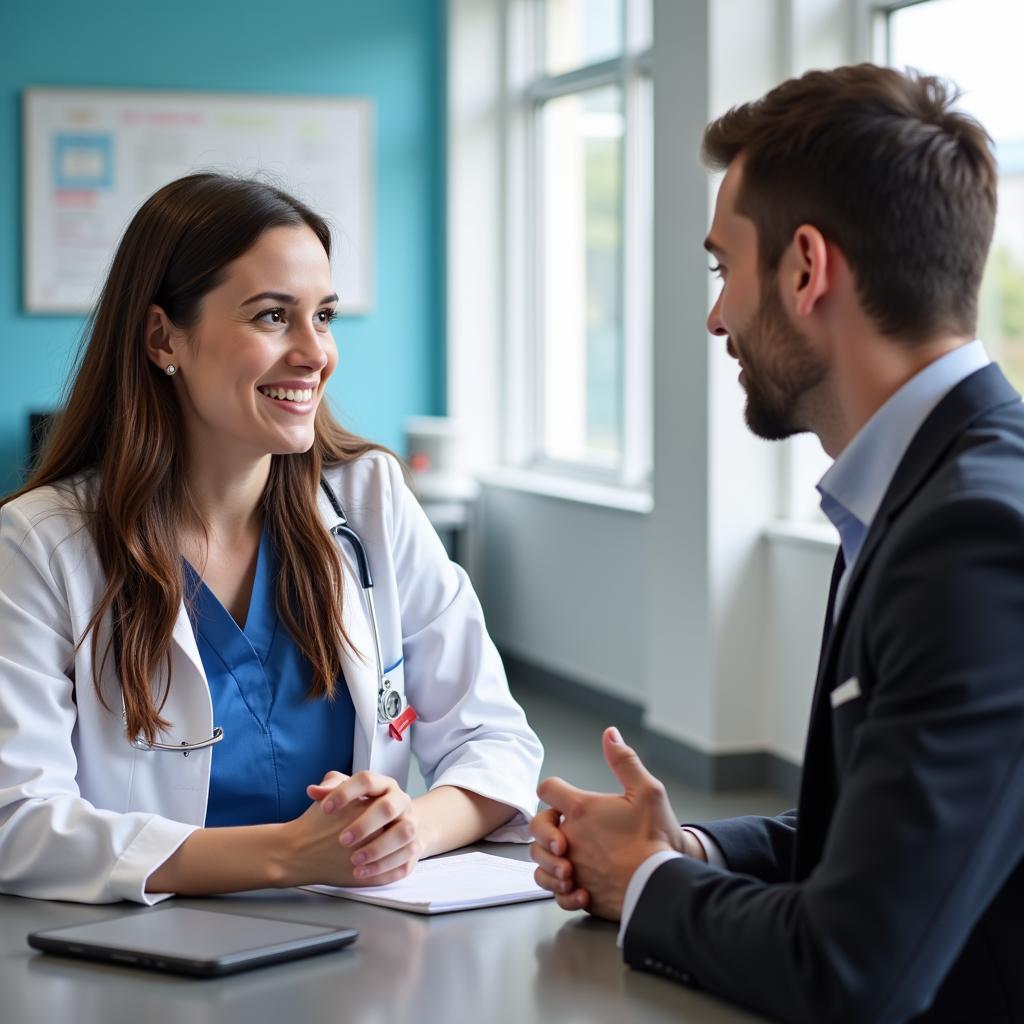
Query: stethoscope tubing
{"points": [[387, 708], [182, 748]]}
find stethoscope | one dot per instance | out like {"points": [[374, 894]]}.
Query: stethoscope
{"points": [[392, 708]]}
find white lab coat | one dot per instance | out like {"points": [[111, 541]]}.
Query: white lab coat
{"points": [[85, 816]]}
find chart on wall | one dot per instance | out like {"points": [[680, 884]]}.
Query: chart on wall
{"points": [[92, 156]]}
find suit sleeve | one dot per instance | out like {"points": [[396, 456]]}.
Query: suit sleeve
{"points": [[926, 829], [755, 845]]}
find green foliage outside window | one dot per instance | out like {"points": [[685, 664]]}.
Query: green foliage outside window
{"points": [[1002, 312]]}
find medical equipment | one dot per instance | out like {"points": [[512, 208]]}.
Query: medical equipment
{"points": [[389, 701], [392, 709]]}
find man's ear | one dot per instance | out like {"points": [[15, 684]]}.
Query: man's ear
{"points": [[162, 337], [806, 270]]}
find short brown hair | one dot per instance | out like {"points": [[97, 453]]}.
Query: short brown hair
{"points": [[882, 165]]}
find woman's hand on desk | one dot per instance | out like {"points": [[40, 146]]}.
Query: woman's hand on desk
{"points": [[389, 833], [304, 851], [378, 825], [392, 832]]}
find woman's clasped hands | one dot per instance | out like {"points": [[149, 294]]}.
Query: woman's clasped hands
{"points": [[369, 815]]}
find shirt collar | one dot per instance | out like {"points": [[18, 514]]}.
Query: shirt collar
{"points": [[853, 488]]}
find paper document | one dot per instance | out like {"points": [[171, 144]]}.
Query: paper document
{"points": [[466, 881]]}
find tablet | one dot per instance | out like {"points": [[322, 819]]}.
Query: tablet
{"points": [[201, 943]]}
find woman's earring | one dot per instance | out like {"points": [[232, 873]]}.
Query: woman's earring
{"points": [[171, 370]]}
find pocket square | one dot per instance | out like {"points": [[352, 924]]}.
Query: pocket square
{"points": [[850, 690]]}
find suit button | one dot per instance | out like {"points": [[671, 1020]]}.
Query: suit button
{"points": [[685, 978], [648, 962]]}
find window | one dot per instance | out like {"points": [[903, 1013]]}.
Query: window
{"points": [[579, 164], [976, 43]]}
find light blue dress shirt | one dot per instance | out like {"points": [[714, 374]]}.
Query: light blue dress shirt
{"points": [[854, 486], [851, 495], [277, 740]]}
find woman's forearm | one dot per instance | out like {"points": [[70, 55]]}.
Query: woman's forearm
{"points": [[449, 817], [214, 860]]}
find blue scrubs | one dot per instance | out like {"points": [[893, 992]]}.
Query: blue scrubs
{"points": [[277, 740]]}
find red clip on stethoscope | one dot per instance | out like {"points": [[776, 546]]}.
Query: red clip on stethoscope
{"points": [[392, 708]]}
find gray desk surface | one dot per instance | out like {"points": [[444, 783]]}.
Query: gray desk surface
{"points": [[520, 964]]}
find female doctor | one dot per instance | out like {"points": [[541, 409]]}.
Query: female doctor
{"points": [[197, 695]]}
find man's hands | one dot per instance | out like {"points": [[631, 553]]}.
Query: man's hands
{"points": [[589, 844]]}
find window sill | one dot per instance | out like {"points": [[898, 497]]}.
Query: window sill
{"points": [[821, 536], [584, 492]]}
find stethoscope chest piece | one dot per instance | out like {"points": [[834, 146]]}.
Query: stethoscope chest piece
{"points": [[390, 712], [389, 703]]}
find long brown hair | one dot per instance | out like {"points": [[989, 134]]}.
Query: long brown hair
{"points": [[121, 424], [885, 167]]}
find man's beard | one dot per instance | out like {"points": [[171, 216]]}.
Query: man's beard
{"points": [[779, 368]]}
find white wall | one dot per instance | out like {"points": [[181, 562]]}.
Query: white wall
{"points": [[689, 610], [743, 471], [563, 586], [474, 190], [799, 569]]}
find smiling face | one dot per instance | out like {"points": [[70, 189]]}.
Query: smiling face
{"points": [[252, 369], [780, 369]]}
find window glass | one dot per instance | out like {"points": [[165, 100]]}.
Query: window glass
{"points": [[579, 32], [976, 43], [581, 285]]}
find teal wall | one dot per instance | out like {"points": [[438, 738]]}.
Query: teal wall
{"points": [[392, 360]]}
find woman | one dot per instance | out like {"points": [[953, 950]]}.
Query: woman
{"points": [[186, 657]]}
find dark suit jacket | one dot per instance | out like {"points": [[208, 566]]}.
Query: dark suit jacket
{"points": [[896, 890]]}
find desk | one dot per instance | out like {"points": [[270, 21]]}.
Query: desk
{"points": [[521, 964]]}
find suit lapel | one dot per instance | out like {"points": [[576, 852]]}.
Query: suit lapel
{"points": [[978, 394]]}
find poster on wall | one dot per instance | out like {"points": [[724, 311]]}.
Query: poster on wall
{"points": [[92, 156]]}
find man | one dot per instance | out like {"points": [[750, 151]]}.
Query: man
{"points": [[850, 231]]}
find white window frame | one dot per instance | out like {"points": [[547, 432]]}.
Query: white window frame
{"points": [[878, 27], [528, 87], [801, 465]]}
